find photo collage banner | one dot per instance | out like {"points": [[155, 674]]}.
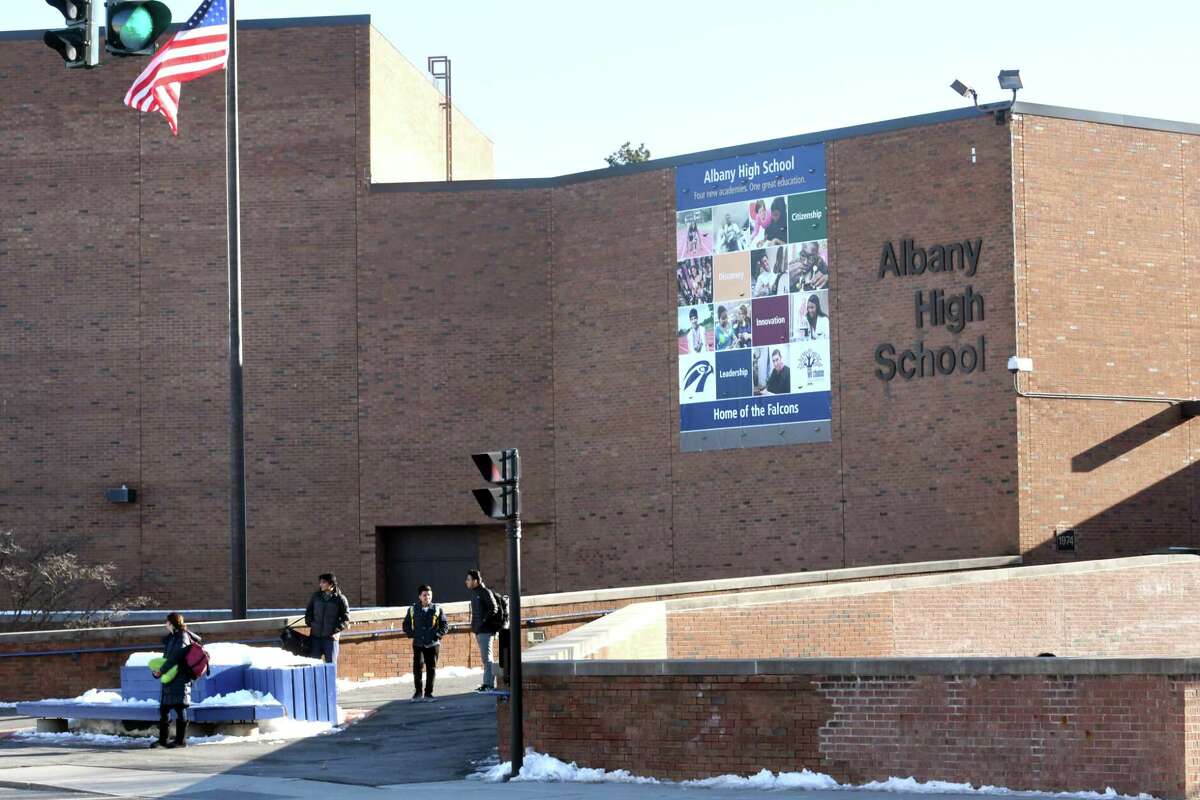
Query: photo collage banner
{"points": [[752, 300]]}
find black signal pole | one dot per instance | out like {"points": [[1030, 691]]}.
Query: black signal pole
{"points": [[502, 469], [514, 615], [237, 428]]}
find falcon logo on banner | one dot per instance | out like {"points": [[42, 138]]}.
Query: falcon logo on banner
{"points": [[200, 47]]}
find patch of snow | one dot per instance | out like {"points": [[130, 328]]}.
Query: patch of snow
{"points": [[231, 654], [544, 768], [539, 767], [286, 730], [242, 697], [347, 685], [141, 659], [104, 696], [766, 779]]}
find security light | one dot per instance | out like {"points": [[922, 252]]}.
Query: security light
{"points": [[1010, 79], [964, 90]]}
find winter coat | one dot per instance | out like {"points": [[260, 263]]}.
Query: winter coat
{"points": [[179, 690], [483, 605], [426, 626], [327, 614]]}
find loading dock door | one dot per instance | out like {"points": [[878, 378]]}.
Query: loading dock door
{"points": [[438, 556]]}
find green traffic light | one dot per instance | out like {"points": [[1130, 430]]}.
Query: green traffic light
{"points": [[134, 26]]}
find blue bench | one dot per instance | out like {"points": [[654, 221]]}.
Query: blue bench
{"points": [[147, 713], [303, 692]]}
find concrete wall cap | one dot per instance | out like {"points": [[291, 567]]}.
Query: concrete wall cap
{"points": [[869, 667]]}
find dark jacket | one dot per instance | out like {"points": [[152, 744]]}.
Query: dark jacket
{"points": [[426, 626], [327, 614], [178, 691], [483, 605]]}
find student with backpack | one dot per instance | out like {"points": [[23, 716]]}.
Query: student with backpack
{"points": [[425, 624], [488, 613], [182, 652]]}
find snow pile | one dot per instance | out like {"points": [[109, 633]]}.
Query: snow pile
{"points": [[346, 685], [539, 767], [766, 779], [231, 654], [912, 785], [104, 696], [243, 697]]}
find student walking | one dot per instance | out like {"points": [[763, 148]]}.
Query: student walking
{"points": [[425, 624], [177, 694]]}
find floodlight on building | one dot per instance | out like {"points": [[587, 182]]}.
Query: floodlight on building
{"points": [[1010, 79], [964, 90]]}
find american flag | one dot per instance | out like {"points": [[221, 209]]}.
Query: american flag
{"points": [[201, 47]]}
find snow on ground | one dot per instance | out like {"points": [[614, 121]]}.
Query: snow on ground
{"points": [[281, 731], [242, 697], [226, 654], [548, 769], [346, 685]]}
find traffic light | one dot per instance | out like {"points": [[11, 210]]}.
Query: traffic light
{"points": [[134, 27], [501, 468], [79, 42]]}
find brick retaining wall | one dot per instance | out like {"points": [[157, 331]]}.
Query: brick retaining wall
{"points": [[1042, 724], [1128, 607]]}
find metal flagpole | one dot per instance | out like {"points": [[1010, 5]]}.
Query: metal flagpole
{"points": [[237, 439]]}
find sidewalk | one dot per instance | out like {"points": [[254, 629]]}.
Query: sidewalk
{"points": [[148, 783]]}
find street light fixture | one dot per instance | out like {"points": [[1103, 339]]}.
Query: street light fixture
{"points": [[964, 90], [1010, 79]]}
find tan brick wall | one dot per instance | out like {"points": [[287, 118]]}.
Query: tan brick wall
{"points": [[1106, 228], [1139, 612], [408, 139]]}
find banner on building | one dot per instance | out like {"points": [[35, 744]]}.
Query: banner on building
{"points": [[752, 305]]}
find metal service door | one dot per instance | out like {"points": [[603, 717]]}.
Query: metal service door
{"points": [[438, 556]]}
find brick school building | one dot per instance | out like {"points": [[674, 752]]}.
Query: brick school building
{"points": [[394, 324]]}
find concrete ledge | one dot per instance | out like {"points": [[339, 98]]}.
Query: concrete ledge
{"points": [[865, 667], [927, 581], [270, 626], [662, 590]]}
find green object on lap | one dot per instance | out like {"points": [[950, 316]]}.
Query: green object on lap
{"points": [[156, 664]]}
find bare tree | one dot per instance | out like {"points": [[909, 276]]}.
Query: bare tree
{"points": [[43, 578]]}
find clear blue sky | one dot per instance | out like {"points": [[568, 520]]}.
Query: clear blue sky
{"points": [[558, 85]]}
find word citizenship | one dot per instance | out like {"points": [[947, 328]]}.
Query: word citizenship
{"points": [[912, 260], [804, 216], [750, 170]]}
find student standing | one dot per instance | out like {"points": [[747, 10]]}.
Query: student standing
{"points": [[177, 695], [425, 624], [483, 623], [327, 615]]}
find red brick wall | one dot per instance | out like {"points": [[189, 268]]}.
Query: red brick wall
{"points": [[1107, 295], [1044, 732], [115, 323], [1137, 612]]}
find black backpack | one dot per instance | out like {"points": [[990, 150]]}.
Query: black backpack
{"points": [[498, 619], [294, 641]]}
